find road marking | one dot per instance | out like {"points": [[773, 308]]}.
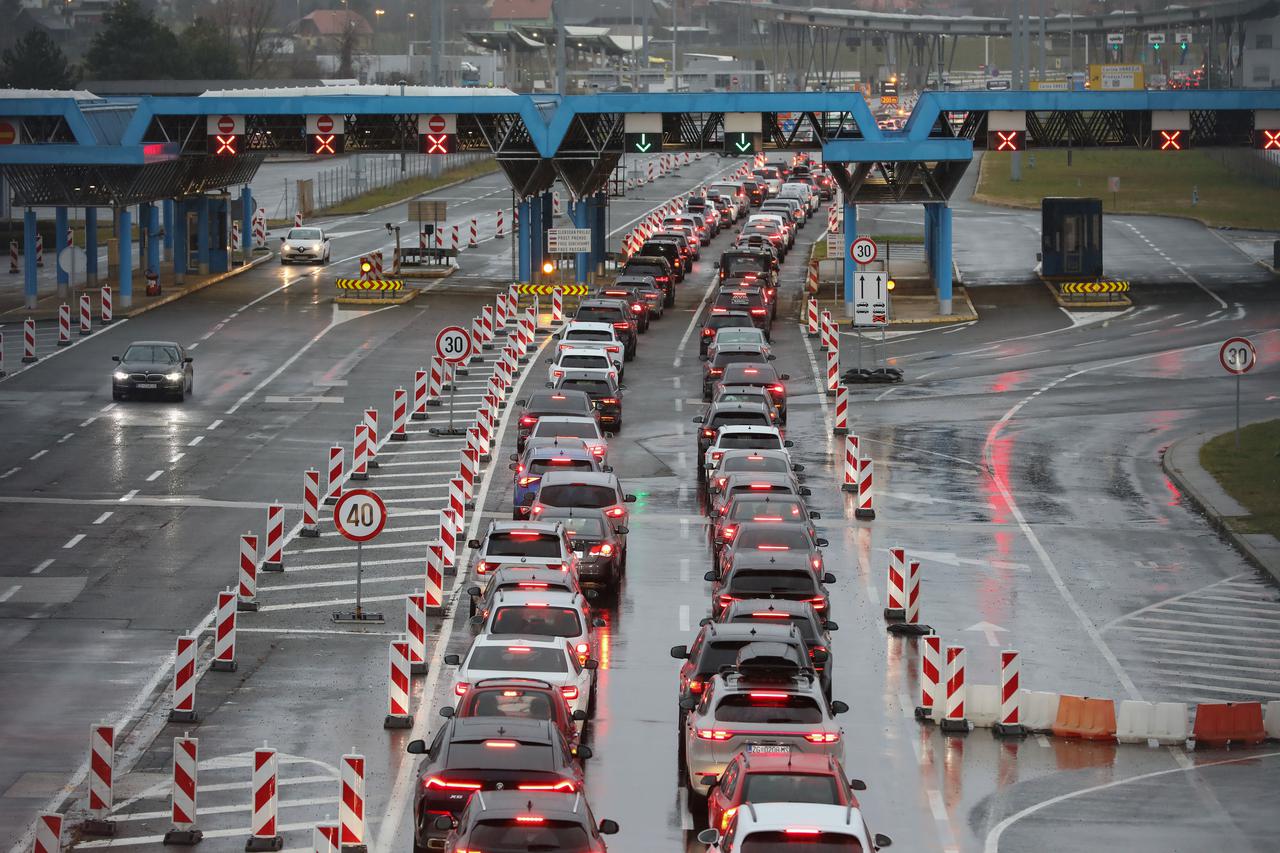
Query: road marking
{"points": [[9, 593], [155, 475], [108, 407], [9, 473], [103, 517], [65, 437], [44, 565], [129, 495], [38, 454], [1186, 323], [684, 618], [88, 421], [1021, 354], [1088, 343], [215, 424], [193, 442], [1147, 332], [74, 541]]}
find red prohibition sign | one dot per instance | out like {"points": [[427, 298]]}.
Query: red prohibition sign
{"points": [[227, 124], [8, 133], [453, 344], [324, 124], [436, 124]]}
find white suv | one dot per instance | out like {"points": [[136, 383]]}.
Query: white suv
{"points": [[766, 827]]}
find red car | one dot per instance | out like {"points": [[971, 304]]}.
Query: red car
{"points": [[526, 698], [789, 777]]}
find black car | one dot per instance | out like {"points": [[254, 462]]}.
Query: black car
{"points": [[471, 754], [528, 820], [724, 414], [605, 394], [782, 574], [726, 355], [753, 302], [161, 368], [658, 267], [601, 548], [668, 250], [756, 190], [630, 295], [721, 318], [815, 630], [567, 403], [761, 376], [756, 263], [650, 291], [616, 313]]}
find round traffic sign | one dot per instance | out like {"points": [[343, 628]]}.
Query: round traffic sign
{"points": [[436, 124], [8, 133], [226, 124], [359, 515], [324, 124], [1238, 356], [453, 344], [863, 250]]}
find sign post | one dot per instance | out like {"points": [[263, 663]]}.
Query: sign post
{"points": [[1238, 357], [453, 344], [870, 303], [359, 515]]}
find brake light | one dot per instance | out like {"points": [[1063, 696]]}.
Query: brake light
{"points": [[663, 278], [726, 600], [615, 511], [767, 518], [708, 433], [598, 450], [609, 401], [637, 307], [528, 420], [621, 325], [461, 688], [771, 614], [803, 830], [695, 686], [726, 817], [569, 692], [604, 550], [564, 786], [771, 695], [528, 481], [750, 370], [438, 783], [815, 649], [500, 744], [537, 509], [529, 818], [777, 389], [484, 566], [713, 734], [716, 454], [729, 531], [716, 371], [760, 487], [519, 650], [557, 373], [773, 548], [816, 562], [533, 585], [822, 737], [757, 312], [614, 348], [819, 603]]}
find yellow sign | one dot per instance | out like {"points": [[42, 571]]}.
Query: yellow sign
{"points": [[362, 284], [1116, 78], [888, 100], [548, 289], [1082, 287]]}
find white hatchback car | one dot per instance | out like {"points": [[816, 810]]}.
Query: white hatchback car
{"points": [[587, 429], [599, 335], [549, 659], [536, 613], [304, 245], [734, 437], [581, 358], [766, 827]]}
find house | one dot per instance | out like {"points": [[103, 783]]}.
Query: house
{"points": [[324, 28]]}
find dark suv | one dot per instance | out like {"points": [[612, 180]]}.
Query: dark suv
{"points": [[657, 266], [671, 252], [520, 820], [753, 302], [618, 314]]}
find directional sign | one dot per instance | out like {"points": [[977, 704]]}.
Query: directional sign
{"points": [[1238, 356], [359, 515], [871, 298], [567, 241], [644, 143], [863, 250], [739, 142], [453, 344]]}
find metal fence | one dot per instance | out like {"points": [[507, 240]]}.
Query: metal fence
{"points": [[360, 173], [1262, 167]]}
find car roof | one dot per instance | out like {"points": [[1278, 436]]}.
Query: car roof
{"points": [[588, 325], [735, 452], [600, 302], [484, 728], [574, 349], [567, 419], [553, 597], [777, 817], [154, 344], [750, 428], [537, 449], [776, 561], [501, 526], [751, 631], [499, 805], [571, 512], [587, 478]]}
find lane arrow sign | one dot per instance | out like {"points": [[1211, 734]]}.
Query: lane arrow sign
{"points": [[989, 631], [743, 144], [644, 144]]}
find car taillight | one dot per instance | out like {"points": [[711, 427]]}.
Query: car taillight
{"points": [[603, 550], [822, 737], [706, 333], [757, 312], [444, 784], [615, 511], [528, 420], [726, 817], [637, 307], [558, 373], [614, 348], [728, 532], [819, 603], [716, 371], [663, 278], [527, 481], [461, 688], [609, 401], [726, 600], [695, 686], [566, 786], [777, 389], [569, 692], [812, 650], [713, 734], [538, 509], [716, 454], [621, 325]]}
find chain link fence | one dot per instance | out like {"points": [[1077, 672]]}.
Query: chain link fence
{"points": [[1262, 167], [361, 173]]}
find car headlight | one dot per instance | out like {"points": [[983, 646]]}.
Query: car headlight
{"points": [[285, 247], [173, 377], [120, 376]]}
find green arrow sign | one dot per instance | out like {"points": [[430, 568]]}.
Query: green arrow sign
{"points": [[743, 144], [643, 144]]}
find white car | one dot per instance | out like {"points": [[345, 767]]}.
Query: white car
{"points": [[735, 191], [585, 334], [549, 659], [761, 827], [587, 429], [528, 613], [304, 245], [803, 192], [734, 437], [581, 358]]}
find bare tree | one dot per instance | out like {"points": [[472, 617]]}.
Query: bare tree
{"points": [[248, 24], [347, 44]]}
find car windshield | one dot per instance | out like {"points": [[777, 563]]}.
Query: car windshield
{"points": [[511, 702], [153, 353], [729, 321], [587, 361], [749, 583], [742, 395], [529, 620], [566, 429], [736, 335], [769, 707], [772, 510], [644, 269], [527, 836], [577, 494], [739, 419], [749, 441], [585, 528], [559, 463], [303, 234], [521, 543], [548, 403], [741, 264], [780, 842], [516, 658], [758, 374], [777, 617], [763, 464], [772, 537], [750, 356], [599, 315]]}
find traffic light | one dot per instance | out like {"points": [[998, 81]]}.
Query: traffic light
{"points": [[1267, 140], [1006, 140], [890, 284], [643, 143], [1168, 140], [437, 143], [326, 144], [548, 267], [741, 142], [224, 144]]}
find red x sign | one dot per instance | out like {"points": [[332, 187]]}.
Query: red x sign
{"points": [[324, 144], [1269, 140], [1170, 140], [225, 144], [1007, 140], [437, 143]]}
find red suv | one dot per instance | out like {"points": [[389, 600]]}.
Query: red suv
{"points": [[779, 777], [527, 698]]}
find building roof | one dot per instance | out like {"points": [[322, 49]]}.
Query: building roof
{"points": [[520, 10], [333, 22]]}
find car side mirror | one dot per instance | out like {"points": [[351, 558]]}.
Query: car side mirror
{"points": [[583, 753], [447, 711], [857, 785], [882, 840], [452, 660], [710, 779], [609, 827], [522, 402], [281, 238], [579, 715], [592, 595], [698, 419], [830, 626], [773, 358], [705, 620], [711, 576], [708, 836], [473, 590], [688, 703], [598, 623], [805, 491], [476, 621], [838, 707], [715, 265], [622, 531], [814, 514], [188, 360], [115, 358], [820, 542], [473, 543], [820, 656], [784, 376], [608, 469], [416, 747], [680, 652], [513, 466], [591, 663], [788, 443], [827, 577], [444, 823], [797, 468]]}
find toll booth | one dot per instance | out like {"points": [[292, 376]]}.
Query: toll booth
{"points": [[1071, 238]]}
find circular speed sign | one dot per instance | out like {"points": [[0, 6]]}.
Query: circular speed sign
{"points": [[359, 515], [1238, 356], [453, 344], [863, 250]]}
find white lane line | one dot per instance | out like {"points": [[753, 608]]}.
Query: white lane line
{"points": [[155, 475], [74, 541], [87, 421], [684, 570], [1021, 354], [193, 442], [38, 454], [684, 618], [9, 473], [43, 565], [1147, 332], [215, 424], [177, 458], [1088, 343], [65, 437], [9, 593], [103, 517], [108, 407], [129, 495]]}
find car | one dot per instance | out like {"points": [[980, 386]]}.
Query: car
{"points": [[760, 243], [756, 505], [587, 490], [673, 256], [557, 402], [523, 698], [707, 210], [656, 266], [773, 218], [603, 388], [748, 263], [752, 463], [532, 613], [756, 191], [791, 211], [549, 659], [768, 702], [752, 301], [593, 335], [541, 456], [779, 778], [520, 576], [772, 180], [586, 428], [749, 483], [745, 394], [688, 220], [528, 543], [769, 229], [520, 820], [766, 827], [601, 548], [650, 292], [722, 318], [630, 295], [803, 191], [160, 368], [471, 754], [618, 314], [743, 353], [757, 539], [815, 630], [718, 415], [784, 575], [304, 245], [743, 438], [762, 376], [574, 358], [741, 335], [683, 241], [736, 193], [726, 206]]}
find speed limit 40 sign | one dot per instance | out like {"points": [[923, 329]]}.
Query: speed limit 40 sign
{"points": [[453, 344], [863, 250], [359, 515]]}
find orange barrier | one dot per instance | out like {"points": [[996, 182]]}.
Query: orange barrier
{"points": [[1083, 717], [1229, 722]]}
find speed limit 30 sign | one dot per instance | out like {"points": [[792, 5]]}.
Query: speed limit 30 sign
{"points": [[359, 515], [453, 344], [863, 250], [1238, 356]]}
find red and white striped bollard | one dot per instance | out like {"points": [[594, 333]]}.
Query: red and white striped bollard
{"points": [[264, 834], [811, 315], [851, 453], [486, 326], [333, 485], [499, 229], [184, 681], [351, 801], [183, 793], [475, 233], [48, 838], [29, 342], [896, 585], [247, 596], [953, 719], [435, 386], [399, 414], [448, 543], [1010, 721], [104, 307], [371, 436], [273, 549], [930, 670], [840, 425], [477, 339], [64, 325], [833, 371], [433, 599], [398, 713], [102, 769], [39, 251], [224, 633], [86, 315], [420, 378], [360, 453], [865, 509], [310, 504], [415, 628], [297, 219], [325, 838], [557, 306]]}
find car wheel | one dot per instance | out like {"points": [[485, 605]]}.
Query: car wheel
{"points": [[116, 395], [182, 395], [283, 262]]}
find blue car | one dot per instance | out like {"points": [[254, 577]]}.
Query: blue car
{"points": [[542, 455]]}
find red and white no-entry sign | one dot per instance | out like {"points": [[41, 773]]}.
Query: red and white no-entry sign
{"points": [[360, 515], [436, 124], [453, 344], [324, 124], [226, 124], [863, 250], [1238, 356], [8, 133]]}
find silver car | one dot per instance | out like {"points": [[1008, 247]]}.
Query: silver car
{"points": [[304, 245], [770, 702]]}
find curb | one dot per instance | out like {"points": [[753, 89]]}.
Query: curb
{"points": [[409, 295], [1269, 563], [220, 277]]}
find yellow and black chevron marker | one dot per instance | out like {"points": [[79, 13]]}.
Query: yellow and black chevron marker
{"points": [[548, 289], [386, 284], [1091, 287]]}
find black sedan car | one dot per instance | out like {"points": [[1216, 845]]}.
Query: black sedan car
{"points": [[159, 368]]}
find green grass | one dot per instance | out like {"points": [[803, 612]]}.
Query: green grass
{"points": [[408, 189], [1251, 474], [1150, 182], [914, 239]]}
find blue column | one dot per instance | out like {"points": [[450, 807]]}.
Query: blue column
{"points": [[153, 237], [91, 244], [545, 223], [850, 234], [581, 214], [168, 224], [942, 270], [929, 223], [599, 231], [59, 240], [523, 231], [29, 291], [126, 258], [202, 235], [246, 219], [537, 239], [178, 237]]}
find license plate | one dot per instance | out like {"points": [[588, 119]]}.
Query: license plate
{"points": [[146, 386], [578, 554], [770, 748]]}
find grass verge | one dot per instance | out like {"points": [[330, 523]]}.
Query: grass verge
{"points": [[1150, 182], [408, 189], [1251, 474]]}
